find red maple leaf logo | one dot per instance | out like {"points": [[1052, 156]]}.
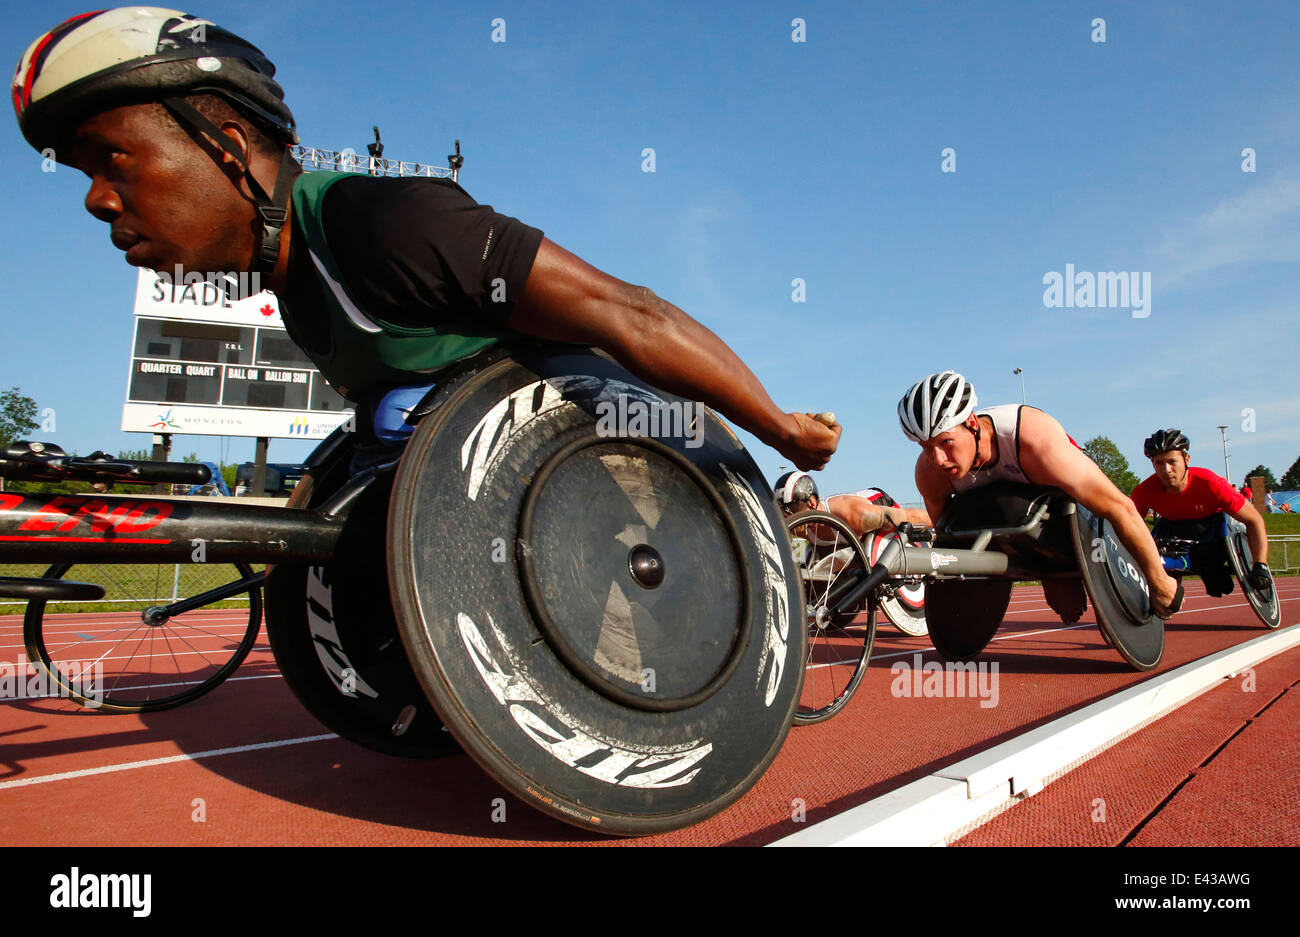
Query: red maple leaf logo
{"points": [[267, 310]]}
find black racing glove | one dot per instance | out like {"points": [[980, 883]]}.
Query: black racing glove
{"points": [[1258, 576]]}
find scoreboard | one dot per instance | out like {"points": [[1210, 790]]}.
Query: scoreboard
{"points": [[205, 363]]}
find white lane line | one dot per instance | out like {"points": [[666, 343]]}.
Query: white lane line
{"points": [[150, 686], [1186, 609], [191, 640], [154, 762], [148, 657]]}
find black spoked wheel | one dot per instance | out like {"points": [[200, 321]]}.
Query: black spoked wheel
{"points": [[132, 655], [830, 559]]}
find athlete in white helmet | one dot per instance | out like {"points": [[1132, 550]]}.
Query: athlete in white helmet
{"points": [[865, 511], [963, 449]]}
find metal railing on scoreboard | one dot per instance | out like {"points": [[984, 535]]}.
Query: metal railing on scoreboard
{"points": [[314, 158]]}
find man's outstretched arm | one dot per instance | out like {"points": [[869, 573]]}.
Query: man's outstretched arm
{"points": [[1049, 458], [865, 517], [568, 300], [1256, 532]]}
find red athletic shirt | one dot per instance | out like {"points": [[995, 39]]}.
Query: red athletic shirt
{"points": [[1205, 494]]}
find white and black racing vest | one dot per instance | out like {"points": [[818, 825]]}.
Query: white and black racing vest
{"points": [[1006, 466]]}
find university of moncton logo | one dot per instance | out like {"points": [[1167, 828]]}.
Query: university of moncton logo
{"points": [[298, 426], [165, 422]]}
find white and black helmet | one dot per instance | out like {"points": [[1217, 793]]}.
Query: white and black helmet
{"points": [[794, 488], [935, 405], [109, 58], [132, 55]]}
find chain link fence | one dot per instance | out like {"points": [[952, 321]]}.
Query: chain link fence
{"points": [[133, 587]]}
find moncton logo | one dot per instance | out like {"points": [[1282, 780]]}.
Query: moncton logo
{"points": [[1109, 290], [298, 426], [87, 890], [165, 422]]}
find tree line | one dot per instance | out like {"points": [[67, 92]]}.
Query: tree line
{"points": [[18, 420]]}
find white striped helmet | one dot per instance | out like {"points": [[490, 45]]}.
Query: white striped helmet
{"points": [[112, 58], [794, 488], [108, 58], [935, 405]]}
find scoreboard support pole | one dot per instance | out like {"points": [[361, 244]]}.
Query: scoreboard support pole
{"points": [[162, 449], [259, 467]]}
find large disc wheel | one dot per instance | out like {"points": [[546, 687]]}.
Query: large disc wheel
{"points": [[1267, 606], [333, 633], [1118, 591], [964, 614], [131, 655], [902, 600], [592, 585], [830, 560]]}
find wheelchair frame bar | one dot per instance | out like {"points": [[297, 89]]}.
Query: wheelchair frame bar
{"points": [[53, 528]]}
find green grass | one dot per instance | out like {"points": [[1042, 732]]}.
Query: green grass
{"points": [[1282, 524], [133, 587]]}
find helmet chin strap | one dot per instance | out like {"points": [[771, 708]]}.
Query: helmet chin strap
{"points": [[976, 433], [272, 210]]}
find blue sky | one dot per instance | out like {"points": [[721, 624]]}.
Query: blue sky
{"points": [[819, 160]]}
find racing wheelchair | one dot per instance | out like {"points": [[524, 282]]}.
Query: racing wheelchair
{"points": [[601, 619], [1216, 549], [830, 559], [987, 539]]}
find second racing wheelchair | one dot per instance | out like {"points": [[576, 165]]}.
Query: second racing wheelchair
{"points": [[988, 539], [1217, 549]]}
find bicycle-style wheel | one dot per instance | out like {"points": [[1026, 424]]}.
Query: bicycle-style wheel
{"points": [[1267, 606], [131, 656], [902, 601], [830, 559]]}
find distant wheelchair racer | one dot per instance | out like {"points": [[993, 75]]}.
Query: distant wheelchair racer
{"points": [[1205, 526], [873, 517]]}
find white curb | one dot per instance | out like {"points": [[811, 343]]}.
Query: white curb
{"points": [[927, 812]]}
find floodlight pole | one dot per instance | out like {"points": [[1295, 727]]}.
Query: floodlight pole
{"points": [[1021, 372], [1223, 433]]}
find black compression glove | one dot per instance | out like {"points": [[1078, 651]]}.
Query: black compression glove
{"points": [[1258, 576]]}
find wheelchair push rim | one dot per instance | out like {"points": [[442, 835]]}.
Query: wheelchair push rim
{"points": [[571, 598]]}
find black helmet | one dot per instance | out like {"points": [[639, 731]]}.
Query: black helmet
{"points": [[794, 488], [1165, 440]]}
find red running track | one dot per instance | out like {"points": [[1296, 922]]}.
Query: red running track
{"points": [[247, 765]]}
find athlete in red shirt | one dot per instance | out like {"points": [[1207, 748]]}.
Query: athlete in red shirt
{"points": [[1187, 497]]}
